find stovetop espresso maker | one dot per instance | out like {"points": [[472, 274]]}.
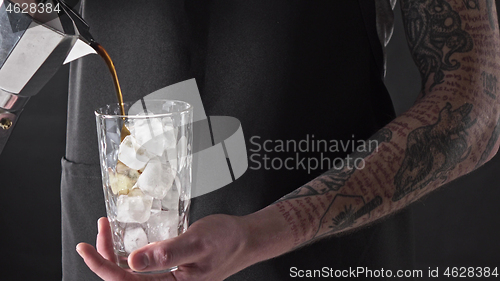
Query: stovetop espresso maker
{"points": [[36, 38]]}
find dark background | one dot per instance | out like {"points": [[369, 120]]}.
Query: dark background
{"points": [[458, 225]]}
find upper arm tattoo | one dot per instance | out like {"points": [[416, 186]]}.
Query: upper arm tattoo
{"points": [[471, 4], [434, 32]]}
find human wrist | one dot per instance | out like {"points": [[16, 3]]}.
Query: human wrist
{"points": [[267, 234]]}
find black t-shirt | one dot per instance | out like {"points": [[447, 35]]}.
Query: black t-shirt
{"points": [[288, 70]]}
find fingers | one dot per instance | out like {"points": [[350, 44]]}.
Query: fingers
{"points": [[105, 269], [180, 250], [104, 243], [103, 260]]}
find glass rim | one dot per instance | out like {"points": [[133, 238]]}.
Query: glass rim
{"points": [[107, 116]]}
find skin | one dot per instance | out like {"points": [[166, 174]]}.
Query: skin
{"points": [[452, 129]]}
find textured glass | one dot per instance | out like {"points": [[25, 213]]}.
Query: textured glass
{"points": [[146, 171]]}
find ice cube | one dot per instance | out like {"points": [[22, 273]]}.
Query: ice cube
{"points": [[163, 225], [149, 134], [171, 200], [132, 154], [120, 184], [170, 133], [134, 207], [134, 238], [156, 207], [123, 180], [156, 179], [170, 158]]}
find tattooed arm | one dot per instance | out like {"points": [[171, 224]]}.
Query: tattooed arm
{"points": [[452, 129]]}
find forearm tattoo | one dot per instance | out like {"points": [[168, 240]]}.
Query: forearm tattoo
{"points": [[432, 151], [324, 205], [335, 219]]}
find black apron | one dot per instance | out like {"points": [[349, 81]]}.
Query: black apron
{"points": [[285, 69]]}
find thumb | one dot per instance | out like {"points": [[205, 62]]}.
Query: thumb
{"points": [[183, 249]]}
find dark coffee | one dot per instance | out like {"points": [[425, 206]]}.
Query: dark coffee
{"points": [[102, 52]]}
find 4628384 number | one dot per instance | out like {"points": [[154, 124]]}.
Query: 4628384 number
{"points": [[32, 8], [471, 272]]}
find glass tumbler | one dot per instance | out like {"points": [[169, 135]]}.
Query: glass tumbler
{"points": [[146, 164]]}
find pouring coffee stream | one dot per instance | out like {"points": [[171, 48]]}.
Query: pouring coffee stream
{"points": [[104, 54]]}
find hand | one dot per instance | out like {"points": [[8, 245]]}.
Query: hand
{"points": [[213, 248]]}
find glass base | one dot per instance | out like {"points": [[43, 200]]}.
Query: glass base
{"points": [[159, 271], [123, 263]]}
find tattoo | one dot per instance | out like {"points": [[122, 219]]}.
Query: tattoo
{"points": [[491, 144], [471, 4], [491, 15], [434, 150], [333, 211], [334, 179], [435, 33], [489, 84], [340, 219]]}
